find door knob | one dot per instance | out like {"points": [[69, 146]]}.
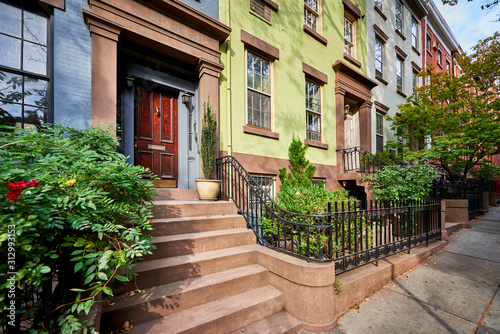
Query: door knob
{"points": [[157, 112]]}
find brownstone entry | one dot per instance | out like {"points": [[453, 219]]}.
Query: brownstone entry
{"points": [[156, 135]]}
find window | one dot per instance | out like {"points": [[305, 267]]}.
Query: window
{"points": [[414, 81], [399, 74], [349, 35], [313, 111], [438, 56], [414, 33], [24, 80], [399, 16], [311, 14], [428, 42], [379, 130], [261, 9], [379, 58], [448, 67], [258, 91], [379, 4], [316, 180]]}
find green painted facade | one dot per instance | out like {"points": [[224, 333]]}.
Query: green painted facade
{"points": [[286, 33]]}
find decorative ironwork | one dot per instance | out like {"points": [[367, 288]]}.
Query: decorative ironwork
{"points": [[359, 160], [351, 233]]}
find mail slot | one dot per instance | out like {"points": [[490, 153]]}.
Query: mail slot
{"points": [[156, 147]]}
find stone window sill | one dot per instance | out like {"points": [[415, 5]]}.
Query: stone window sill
{"points": [[401, 35], [379, 78], [416, 51], [352, 60], [380, 13], [260, 132], [316, 144], [315, 35], [402, 94]]}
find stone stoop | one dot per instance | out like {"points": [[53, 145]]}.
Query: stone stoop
{"points": [[203, 276]]}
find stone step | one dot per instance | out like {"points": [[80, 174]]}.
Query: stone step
{"points": [[182, 244], [222, 316], [175, 194], [191, 208], [280, 323], [178, 268], [163, 300], [172, 226]]}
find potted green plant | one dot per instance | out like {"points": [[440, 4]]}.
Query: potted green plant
{"points": [[207, 188]]}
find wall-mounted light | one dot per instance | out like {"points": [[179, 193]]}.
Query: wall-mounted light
{"points": [[129, 81], [186, 98], [347, 108]]}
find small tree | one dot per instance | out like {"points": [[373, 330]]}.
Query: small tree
{"points": [[207, 146], [301, 171], [456, 117]]}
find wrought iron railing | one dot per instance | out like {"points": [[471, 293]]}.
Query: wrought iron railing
{"points": [[359, 160], [350, 233], [457, 189]]}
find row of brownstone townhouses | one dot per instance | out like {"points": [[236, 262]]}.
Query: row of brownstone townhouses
{"points": [[326, 71]]}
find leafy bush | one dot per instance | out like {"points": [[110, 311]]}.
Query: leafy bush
{"points": [[396, 182], [71, 208]]}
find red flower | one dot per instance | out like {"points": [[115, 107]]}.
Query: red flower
{"points": [[16, 188]]}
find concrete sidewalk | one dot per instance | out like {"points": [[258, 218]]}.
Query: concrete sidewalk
{"points": [[454, 291]]}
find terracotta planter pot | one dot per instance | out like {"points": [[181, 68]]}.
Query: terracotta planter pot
{"points": [[208, 190]]}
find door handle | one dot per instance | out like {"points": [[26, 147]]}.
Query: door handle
{"points": [[157, 112]]}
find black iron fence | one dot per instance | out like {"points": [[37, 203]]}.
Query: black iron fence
{"points": [[350, 233], [457, 189]]}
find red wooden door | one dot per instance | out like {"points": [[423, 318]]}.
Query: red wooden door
{"points": [[156, 135]]}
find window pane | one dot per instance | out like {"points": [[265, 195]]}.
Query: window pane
{"points": [[34, 58], [34, 116], [35, 28], [10, 20], [11, 51], [35, 92], [11, 87], [10, 113], [380, 124], [312, 4]]}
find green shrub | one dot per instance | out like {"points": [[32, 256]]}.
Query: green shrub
{"points": [[77, 208], [396, 182]]}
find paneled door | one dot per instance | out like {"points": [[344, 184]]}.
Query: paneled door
{"points": [[156, 135]]}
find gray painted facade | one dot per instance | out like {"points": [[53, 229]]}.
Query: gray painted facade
{"points": [[387, 94]]}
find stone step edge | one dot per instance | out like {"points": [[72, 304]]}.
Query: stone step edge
{"points": [[190, 284], [200, 235], [217, 310], [280, 323]]}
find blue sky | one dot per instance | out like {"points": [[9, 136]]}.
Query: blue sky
{"points": [[468, 22]]}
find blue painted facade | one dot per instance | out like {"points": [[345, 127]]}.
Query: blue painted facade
{"points": [[72, 66], [209, 7]]}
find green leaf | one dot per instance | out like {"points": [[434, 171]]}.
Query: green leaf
{"points": [[45, 270], [78, 266], [89, 279], [102, 276], [107, 290], [121, 278]]}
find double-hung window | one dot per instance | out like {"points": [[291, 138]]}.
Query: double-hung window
{"points": [[414, 33], [399, 74], [379, 58], [258, 91], [349, 35], [379, 130], [311, 14], [428, 42], [24, 80], [438, 56], [414, 81], [313, 110], [399, 16]]}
